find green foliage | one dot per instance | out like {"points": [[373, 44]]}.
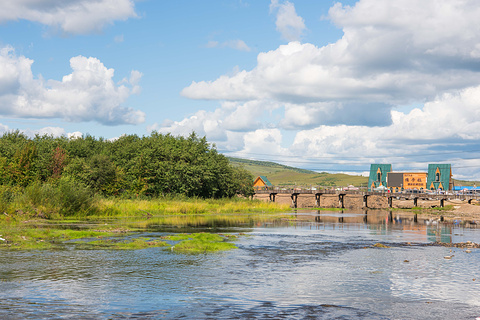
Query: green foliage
{"points": [[58, 174], [66, 198]]}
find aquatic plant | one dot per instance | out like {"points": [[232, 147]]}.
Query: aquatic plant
{"points": [[200, 243], [24, 236], [116, 244]]}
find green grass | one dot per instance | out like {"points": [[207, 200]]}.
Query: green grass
{"points": [[155, 207], [201, 243]]}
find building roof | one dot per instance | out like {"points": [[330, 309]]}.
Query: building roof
{"points": [[265, 181]]}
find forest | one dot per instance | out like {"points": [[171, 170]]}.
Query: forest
{"points": [[129, 167]]}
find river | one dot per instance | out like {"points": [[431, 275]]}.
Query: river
{"points": [[310, 266]]}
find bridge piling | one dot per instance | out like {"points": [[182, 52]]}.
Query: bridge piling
{"points": [[294, 200], [272, 196], [341, 200], [317, 199], [365, 201]]}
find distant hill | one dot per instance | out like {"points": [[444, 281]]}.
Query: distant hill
{"points": [[281, 175]]}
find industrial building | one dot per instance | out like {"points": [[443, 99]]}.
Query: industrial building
{"points": [[382, 178]]}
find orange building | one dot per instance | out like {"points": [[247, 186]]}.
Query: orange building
{"points": [[262, 182]]}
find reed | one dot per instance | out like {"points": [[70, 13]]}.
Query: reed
{"points": [[170, 206]]}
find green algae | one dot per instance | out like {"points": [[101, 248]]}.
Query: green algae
{"points": [[118, 244], [201, 242]]}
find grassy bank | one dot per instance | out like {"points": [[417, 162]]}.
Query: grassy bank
{"points": [[178, 206], [69, 200], [28, 223]]}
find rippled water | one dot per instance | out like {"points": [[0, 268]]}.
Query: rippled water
{"points": [[323, 267]]}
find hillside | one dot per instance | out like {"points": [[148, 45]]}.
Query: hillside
{"points": [[281, 175]]}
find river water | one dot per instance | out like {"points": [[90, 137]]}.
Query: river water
{"points": [[311, 266]]}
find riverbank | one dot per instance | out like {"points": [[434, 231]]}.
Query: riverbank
{"points": [[453, 210]]}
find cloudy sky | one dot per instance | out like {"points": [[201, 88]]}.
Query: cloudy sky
{"points": [[323, 85]]}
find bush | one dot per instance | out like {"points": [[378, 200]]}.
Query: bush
{"points": [[66, 198], [7, 195], [74, 198]]}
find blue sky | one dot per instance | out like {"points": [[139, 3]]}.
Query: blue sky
{"points": [[324, 85]]}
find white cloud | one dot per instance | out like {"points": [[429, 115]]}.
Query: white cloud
{"points": [[118, 39], [49, 131], [238, 44], [392, 53], [288, 23], [87, 94], [226, 126], [264, 141], [343, 99], [71, 16], [450, 122]]}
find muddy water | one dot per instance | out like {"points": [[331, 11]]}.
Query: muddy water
{"points": [[313, 266]]}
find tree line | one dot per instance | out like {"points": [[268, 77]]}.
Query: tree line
{"points": [[130, 166]]}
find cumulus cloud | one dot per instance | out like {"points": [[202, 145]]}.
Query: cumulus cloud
{"points": [[231, 116], [391, 53], [344, 99], [72, 16], [449, 123], [87, 94], [288, 23]]}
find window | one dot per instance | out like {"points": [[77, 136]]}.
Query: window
{"points": [[437, 176]]}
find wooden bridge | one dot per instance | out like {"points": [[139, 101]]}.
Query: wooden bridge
{"points": [[274, 193]]}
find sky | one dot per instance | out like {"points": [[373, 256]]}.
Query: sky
{"points": [[321, 85]]}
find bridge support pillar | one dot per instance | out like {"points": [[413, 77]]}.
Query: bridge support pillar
{"points": [[294, 200], [341, 200], [415, 202], [317, 199], [365, 201]]}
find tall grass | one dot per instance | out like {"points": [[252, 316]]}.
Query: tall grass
{"points": [[173, 206], [66, 198]]}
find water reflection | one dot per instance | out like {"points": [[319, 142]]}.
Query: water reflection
{"points": [[315, 265]]}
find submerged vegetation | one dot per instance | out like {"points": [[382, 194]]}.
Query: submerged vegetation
{"points": [[201, 243], [34, 235]]}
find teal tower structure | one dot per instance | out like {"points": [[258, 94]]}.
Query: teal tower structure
{"points": [[439, 177], [378, 175]]}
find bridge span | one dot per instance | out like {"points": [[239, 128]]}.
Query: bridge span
{"points": [[328, 198]]}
